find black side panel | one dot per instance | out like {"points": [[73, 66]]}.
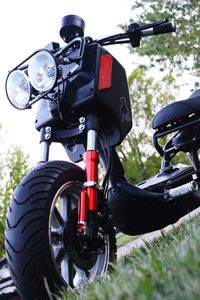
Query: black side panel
{"points": [[111, 104], [117, 99], [136, 212]]}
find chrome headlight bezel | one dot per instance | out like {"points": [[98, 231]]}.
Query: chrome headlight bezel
{"points": [[36, 70], [27, 87]]}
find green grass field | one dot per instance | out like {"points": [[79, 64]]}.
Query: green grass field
{"points": [[167, 268], [123, 239]]}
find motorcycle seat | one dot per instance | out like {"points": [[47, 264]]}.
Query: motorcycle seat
{"points": [[178, 111]]}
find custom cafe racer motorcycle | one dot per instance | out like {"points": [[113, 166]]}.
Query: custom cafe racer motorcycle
{"points": [[61, 222]]}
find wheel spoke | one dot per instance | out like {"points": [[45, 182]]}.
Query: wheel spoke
{"points": [[68, 271], [80, 278], [56, 235], [65, 207], [60, 256], [58, 217]]}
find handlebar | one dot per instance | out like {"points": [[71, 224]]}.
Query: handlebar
{"points": [[135, 32], [160, 29], [72, 54]]}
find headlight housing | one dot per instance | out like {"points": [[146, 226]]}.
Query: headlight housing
{"points": [[18, 89], [43, 71]]}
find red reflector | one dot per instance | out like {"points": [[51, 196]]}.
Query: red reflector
{"points": [[105, 74]]}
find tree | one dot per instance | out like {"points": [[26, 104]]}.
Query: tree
{"points": [[13, 166], [168, 54], [180, 51], [148, 95]]}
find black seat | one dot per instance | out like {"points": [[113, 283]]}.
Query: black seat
{"points": [[177, 110]]}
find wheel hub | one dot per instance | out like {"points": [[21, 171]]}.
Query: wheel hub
{"points": [[81, 249]]}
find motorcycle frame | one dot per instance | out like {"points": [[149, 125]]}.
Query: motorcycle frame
{"points": [[94, 90], [169, 150]]}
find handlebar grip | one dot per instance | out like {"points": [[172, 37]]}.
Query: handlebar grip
{"points": [[159, 29], [164, 28]]}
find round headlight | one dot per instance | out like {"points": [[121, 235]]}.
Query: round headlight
{"points": [[42, 71], [18, 89]]}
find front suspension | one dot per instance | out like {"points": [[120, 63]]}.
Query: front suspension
{"points": [[87, 214]]}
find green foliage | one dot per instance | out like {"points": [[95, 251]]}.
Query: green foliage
{"points": [[167, 268], [148, 95], [171, 54], [13, 166], [180, 50]]}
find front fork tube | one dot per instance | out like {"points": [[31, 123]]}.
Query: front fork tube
{"points": [[89, 194], [44, 151], [45, 141]]}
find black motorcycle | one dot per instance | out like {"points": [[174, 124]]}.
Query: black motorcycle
{"points": [[61, 222]]}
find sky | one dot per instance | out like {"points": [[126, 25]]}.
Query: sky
{"points": [[27, 25]]}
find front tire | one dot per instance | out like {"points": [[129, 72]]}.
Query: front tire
{"points": [[43, 251]]}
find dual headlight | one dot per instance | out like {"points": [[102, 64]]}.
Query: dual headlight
{"points": [[41, 74]]}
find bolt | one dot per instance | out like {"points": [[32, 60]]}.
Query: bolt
{"points": [[82, 120], [84, 246], [165, 197], [48, 129], [47, 136], [81, 127], [100, 229]]}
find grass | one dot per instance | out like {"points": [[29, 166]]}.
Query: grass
{"points": [[167, 268], [123, 239]]}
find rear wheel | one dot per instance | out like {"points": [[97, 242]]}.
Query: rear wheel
{"points": [[43, 250]]}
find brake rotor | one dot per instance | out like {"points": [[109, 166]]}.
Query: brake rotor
{"points": [[81, 250]]}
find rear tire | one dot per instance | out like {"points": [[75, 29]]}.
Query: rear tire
{"points": [[43, 252]]}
